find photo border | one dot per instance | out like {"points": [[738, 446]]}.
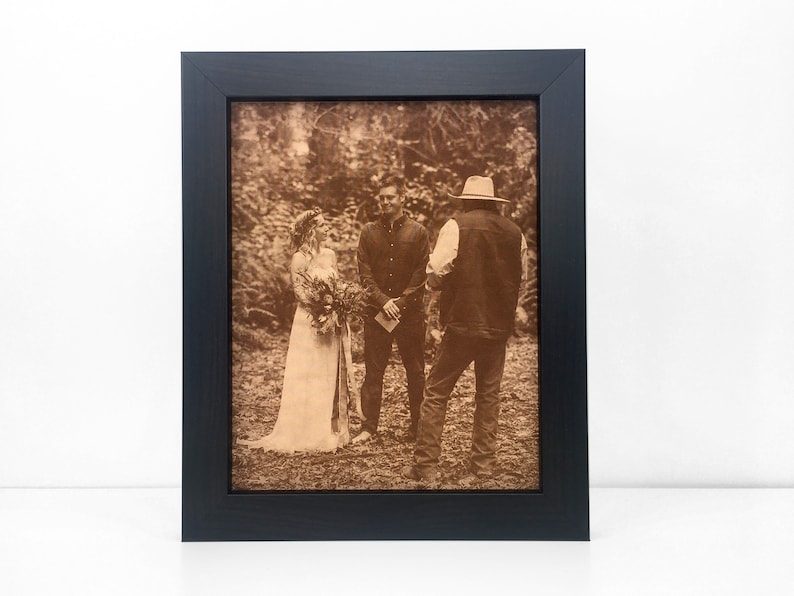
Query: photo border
{"points": [[210, 510]]}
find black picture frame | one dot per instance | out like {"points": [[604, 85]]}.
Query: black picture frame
{"points": [[210, 510]]}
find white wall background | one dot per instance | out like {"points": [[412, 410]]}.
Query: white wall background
{"points": [[690, 142]]}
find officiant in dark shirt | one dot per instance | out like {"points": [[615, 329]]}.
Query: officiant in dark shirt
{"points": [[392, 257]]}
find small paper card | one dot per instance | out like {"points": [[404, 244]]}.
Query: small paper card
{"points": [[387, 323]]}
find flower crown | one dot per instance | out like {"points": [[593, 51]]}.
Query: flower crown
{"points": [[303, 225]]}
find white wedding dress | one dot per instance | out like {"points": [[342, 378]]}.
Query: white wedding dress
{"points": [[310, 384]]}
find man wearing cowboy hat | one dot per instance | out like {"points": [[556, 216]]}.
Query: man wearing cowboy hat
{"points": [[478, 264]]}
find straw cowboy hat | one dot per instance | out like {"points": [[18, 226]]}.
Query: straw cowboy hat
{"points": [[479, 188]]}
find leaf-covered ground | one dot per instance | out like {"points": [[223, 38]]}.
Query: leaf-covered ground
{"points": [[256, 387]]}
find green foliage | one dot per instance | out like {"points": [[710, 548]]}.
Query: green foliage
{"points": [[288, 157]]}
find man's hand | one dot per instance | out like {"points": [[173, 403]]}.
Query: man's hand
{"points": [[391, 309]]}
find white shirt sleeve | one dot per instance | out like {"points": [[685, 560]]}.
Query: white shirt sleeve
{"points": [[524, 260], [442, 259]]}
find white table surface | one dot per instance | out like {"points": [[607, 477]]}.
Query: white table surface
{"points": [[643, 541]]}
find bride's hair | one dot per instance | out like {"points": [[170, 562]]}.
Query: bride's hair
{"points": [[302, 231]]}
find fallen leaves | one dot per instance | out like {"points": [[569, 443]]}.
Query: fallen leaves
{"points": [[376, 465]]}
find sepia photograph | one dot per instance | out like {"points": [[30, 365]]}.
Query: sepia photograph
{"points": [[384, 295]]}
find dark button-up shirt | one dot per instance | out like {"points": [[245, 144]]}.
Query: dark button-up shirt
{"points": [[391, 264]]}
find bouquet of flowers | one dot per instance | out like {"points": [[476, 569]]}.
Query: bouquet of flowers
{"points": [[331, 301]]}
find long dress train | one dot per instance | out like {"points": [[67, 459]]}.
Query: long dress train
{"points": [[311, 381]]}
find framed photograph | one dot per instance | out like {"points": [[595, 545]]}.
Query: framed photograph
{"points": [[384, 296]]}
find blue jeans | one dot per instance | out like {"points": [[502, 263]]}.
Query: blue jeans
{"points": [[454, 356]]}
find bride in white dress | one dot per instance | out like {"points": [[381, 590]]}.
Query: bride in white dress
{"points": [[312, 370]]}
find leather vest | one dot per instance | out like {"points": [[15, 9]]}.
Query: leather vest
{"points": [[479, 296]]}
